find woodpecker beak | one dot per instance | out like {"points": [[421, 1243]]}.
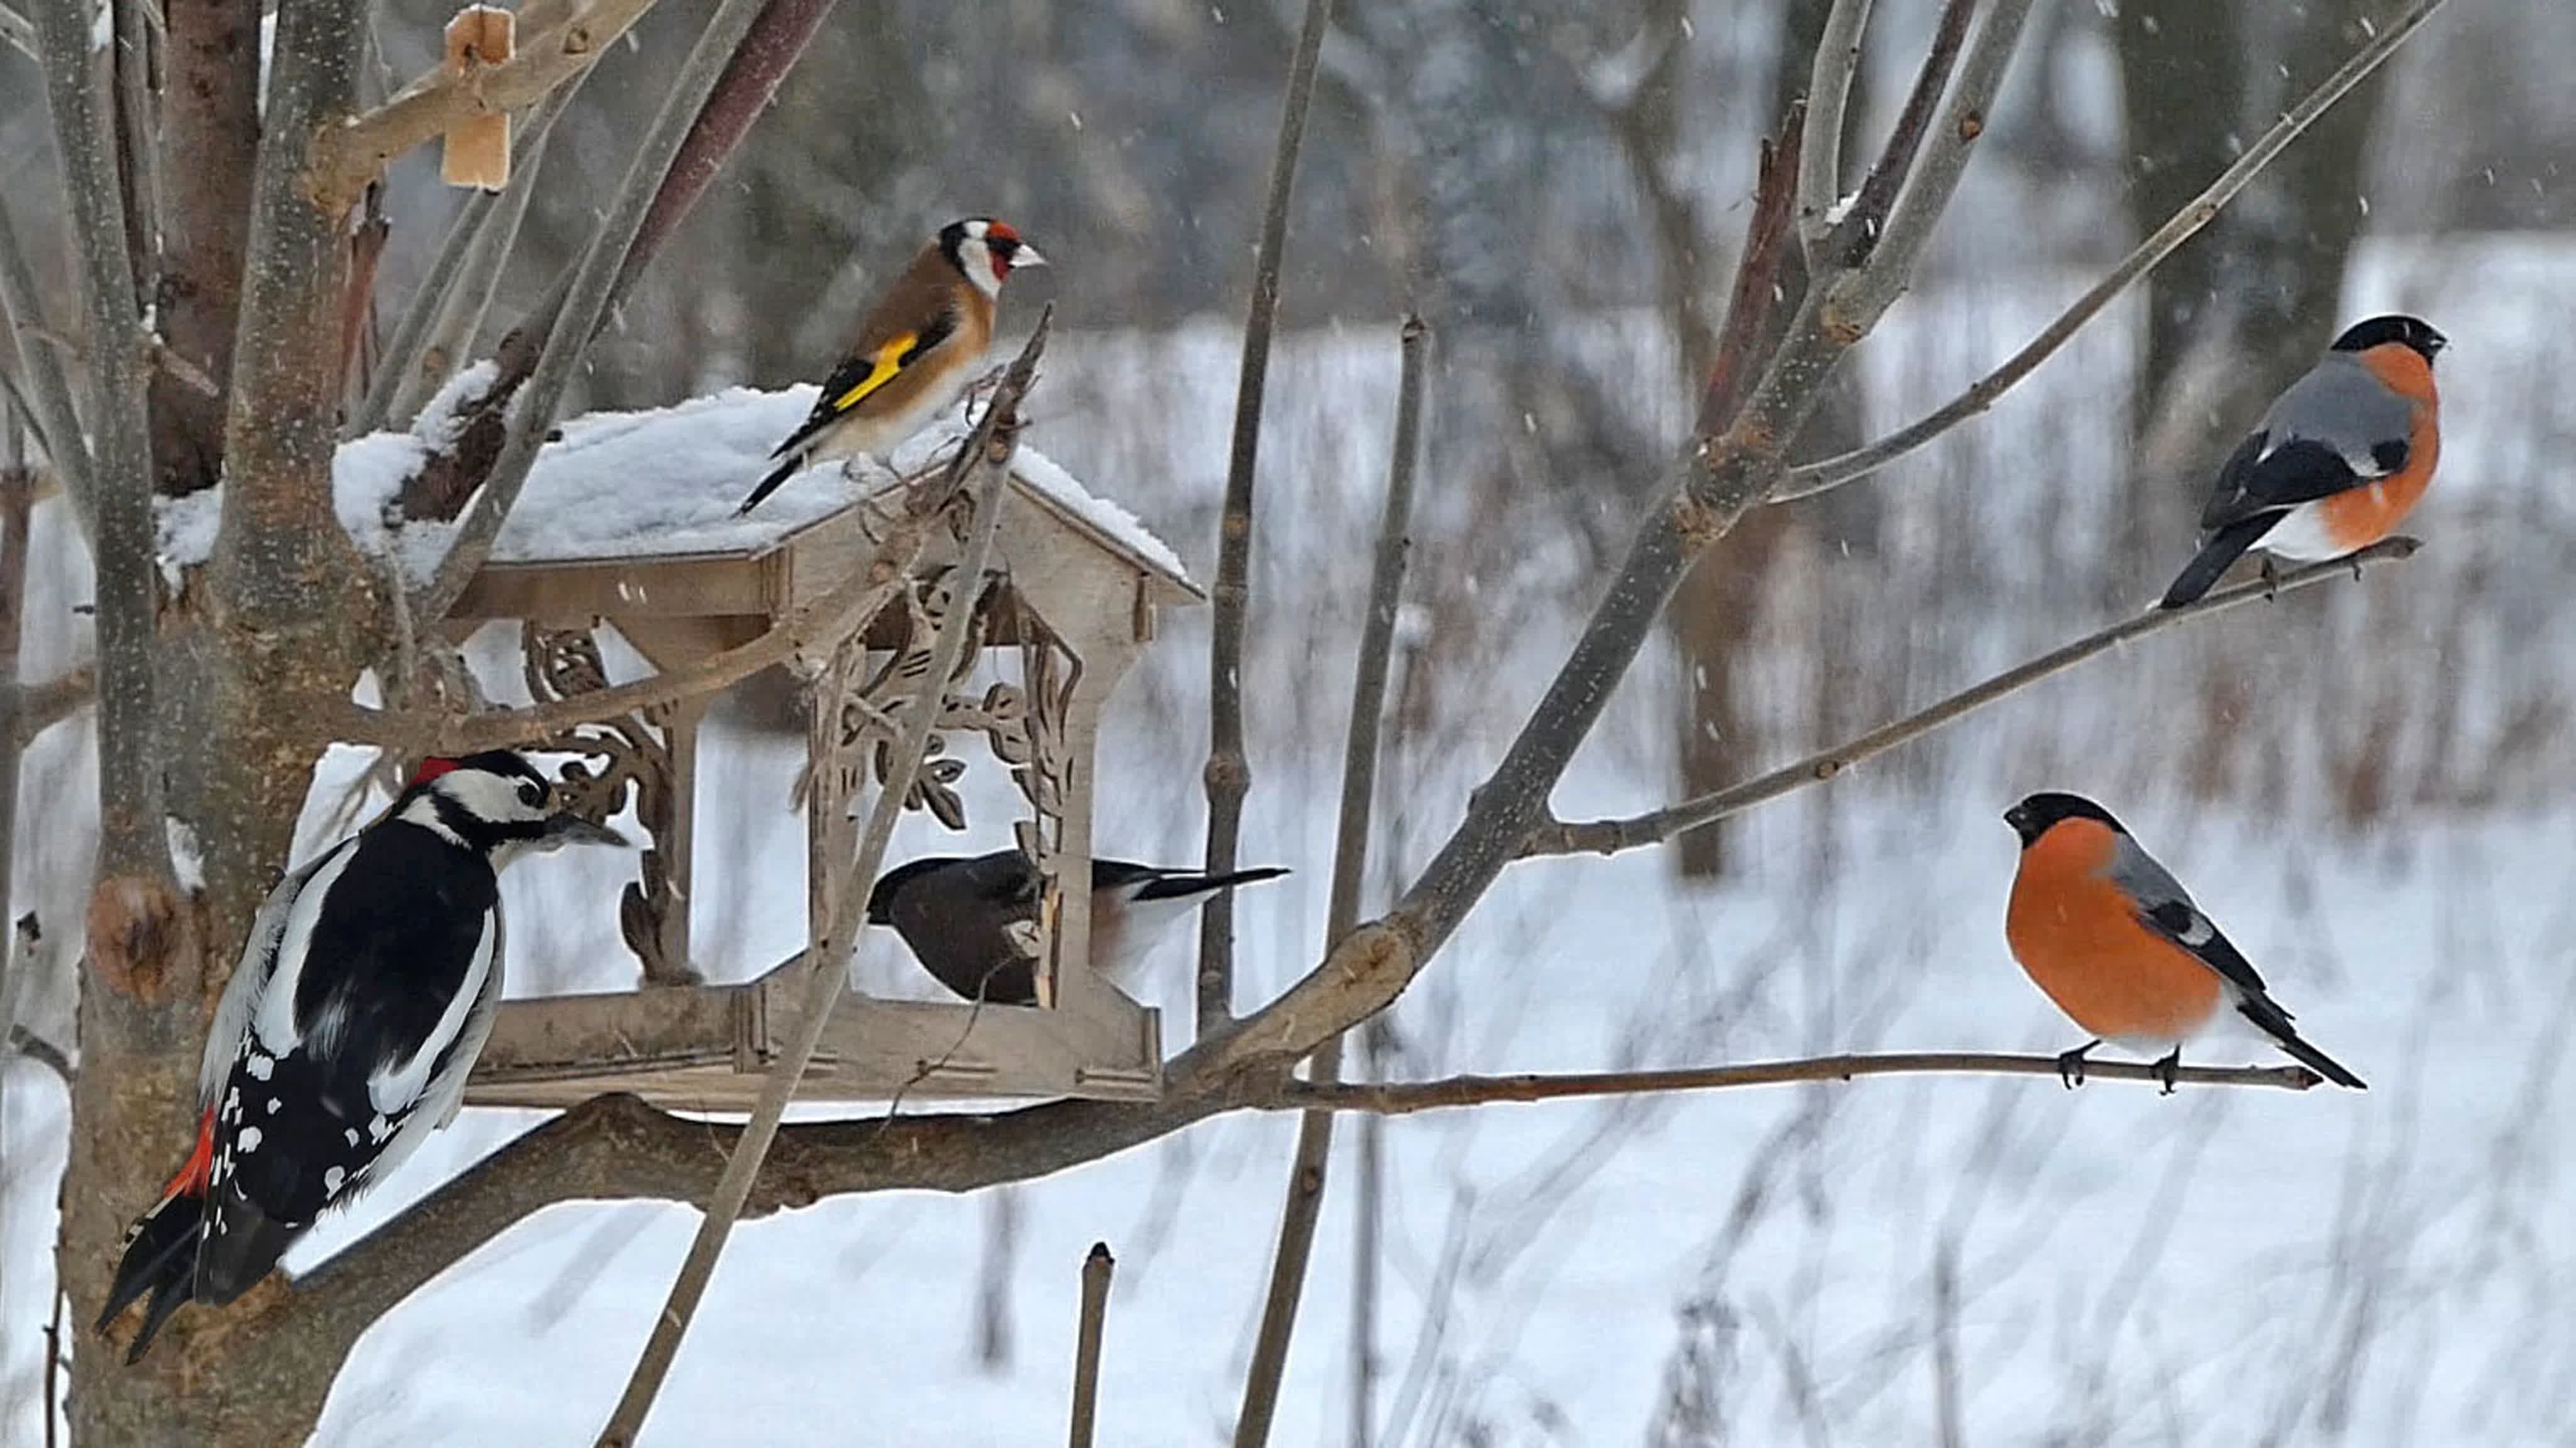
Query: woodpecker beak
{"points": [[568, 828], [1026, 255]]}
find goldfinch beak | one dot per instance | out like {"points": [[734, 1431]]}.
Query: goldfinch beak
{"points": [[1026, 255]]}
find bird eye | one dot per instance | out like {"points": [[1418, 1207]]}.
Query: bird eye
{"points": [[532, 794]]}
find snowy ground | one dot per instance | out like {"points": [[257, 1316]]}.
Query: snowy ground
{"points": [[1757, 1266]]}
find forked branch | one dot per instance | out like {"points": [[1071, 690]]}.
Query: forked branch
{"points": [[1833, 472]]}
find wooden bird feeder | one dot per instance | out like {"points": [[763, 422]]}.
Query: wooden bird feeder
{"points": [[1070, 597]]}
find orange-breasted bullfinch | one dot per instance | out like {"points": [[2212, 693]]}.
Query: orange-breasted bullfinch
{"points": [[916, 350], [971, 921], [2118, 944], [2336, 464]]}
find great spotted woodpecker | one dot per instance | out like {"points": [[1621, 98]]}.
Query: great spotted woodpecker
{"points": [[362, 997], [969, 921]]}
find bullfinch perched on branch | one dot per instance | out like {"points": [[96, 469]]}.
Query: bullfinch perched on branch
{"points": [[2118, 944], [971, 922], [2336, 464], [915, 351]]}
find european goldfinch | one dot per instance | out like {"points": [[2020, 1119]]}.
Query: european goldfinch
{"points": [[914, 352]]}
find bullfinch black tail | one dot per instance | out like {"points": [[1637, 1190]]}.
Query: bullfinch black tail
{"points": [[2275, 1022], [768, 485], [1184, 887], [161, 1250], [2223, 548]]}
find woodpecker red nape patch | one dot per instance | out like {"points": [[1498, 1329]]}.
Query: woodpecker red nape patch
{"points": [[192, 1178], [430, 769]]}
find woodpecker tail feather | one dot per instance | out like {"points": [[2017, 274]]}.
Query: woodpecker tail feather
{"points": [[160, 1254], [241, 1246]]}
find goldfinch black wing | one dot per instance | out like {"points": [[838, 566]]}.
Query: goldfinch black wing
{"points": [[866, 371]]}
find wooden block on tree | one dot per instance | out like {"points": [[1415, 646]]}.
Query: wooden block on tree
{"points": [[476, 152]]}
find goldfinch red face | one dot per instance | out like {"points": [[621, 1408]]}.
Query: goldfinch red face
{"points": [[986, 250]]}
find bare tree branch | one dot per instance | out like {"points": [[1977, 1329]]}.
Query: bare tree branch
{"points": [[1757, 278], [1857, 233], [131, 837], [1927, 185], [468, 262], [208, 138], [1097, 1266], [1313, 1159], [1398, 1098], [47, 398], [763, 59], [1228, 774], [818, 621], [1609, 837], [1833, 472], [41, 1051], [983, 465], [42, 706], [1820, 179], [551, 50], [663, 179]]}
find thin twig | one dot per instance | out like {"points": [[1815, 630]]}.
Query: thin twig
{"points": [[47, 401], [42, 706], [131, 834], [349, 156], [468, 262], [1923, 193], [982, 465], [25, 1042], [448, 479], [1833, 472], [54, 1367], [1857, 232], [1610, 836], [15, 30], [828, 616], [1228, 775], [1400, 1098], [585, 303], [1756, 292], [1829, 83], [1313, 1160], [1096, 1268]]}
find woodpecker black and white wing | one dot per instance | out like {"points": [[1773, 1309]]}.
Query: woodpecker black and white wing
{"points": [[357, 1045], [251, 973]]}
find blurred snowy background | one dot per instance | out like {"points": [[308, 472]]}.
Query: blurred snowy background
{"points": [[2369, 785]]}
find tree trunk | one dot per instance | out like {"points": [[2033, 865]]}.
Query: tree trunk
{"points": [[209, 139]]}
